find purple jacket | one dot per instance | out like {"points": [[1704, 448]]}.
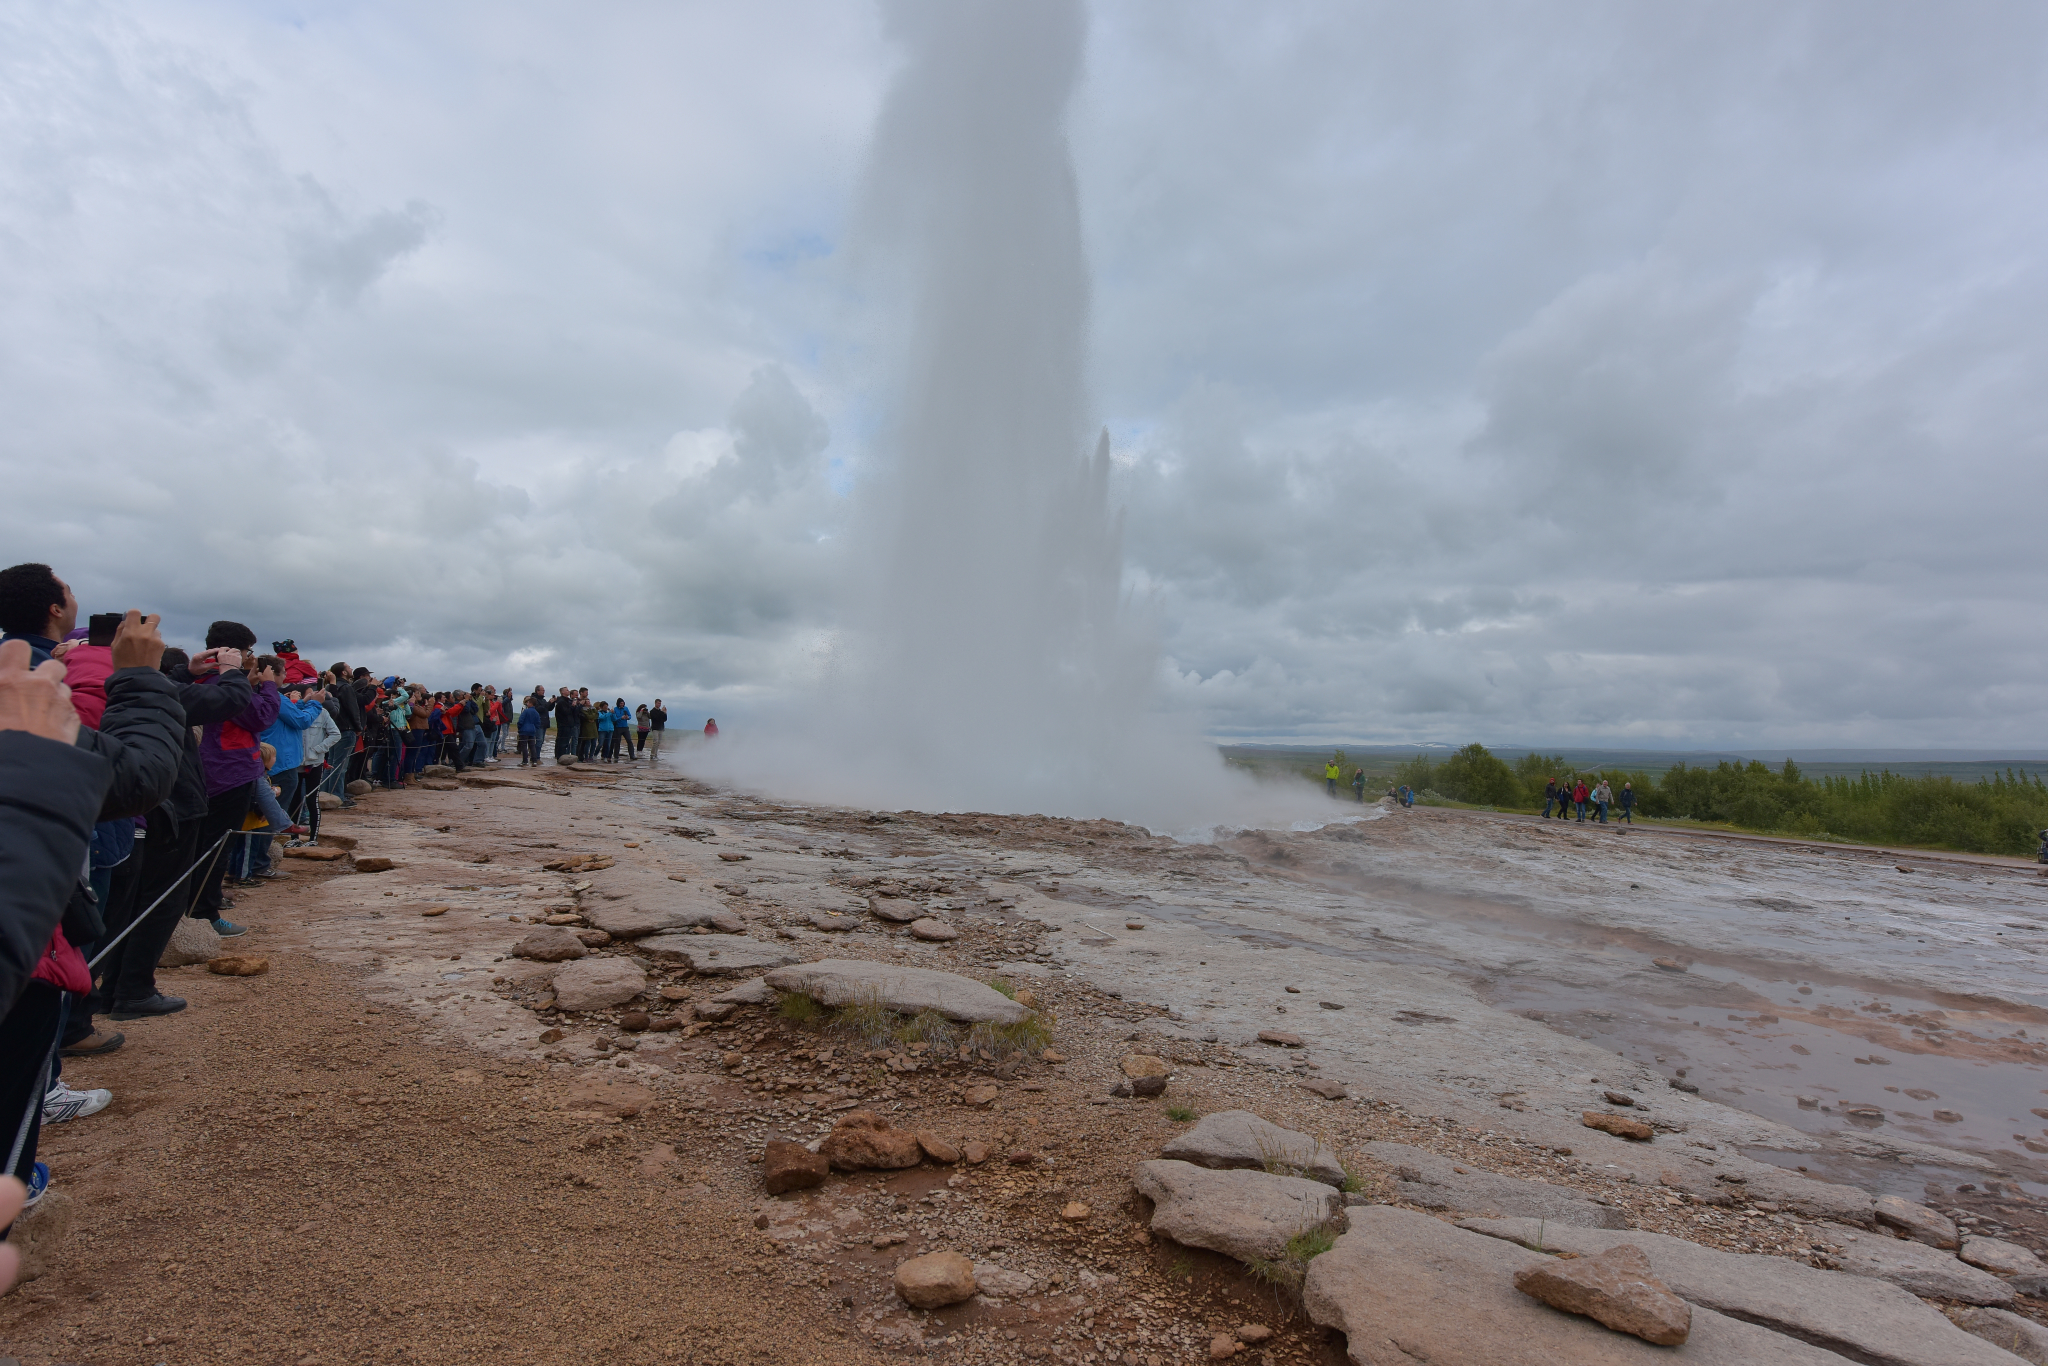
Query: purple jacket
{"points": [[227, 749]]}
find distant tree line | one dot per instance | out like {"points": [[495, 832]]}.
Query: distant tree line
{"points": [[2002, 814]]}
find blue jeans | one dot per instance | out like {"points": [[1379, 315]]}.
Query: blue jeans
{"points": [[1603, 811], [336, 776], [472, 751]]}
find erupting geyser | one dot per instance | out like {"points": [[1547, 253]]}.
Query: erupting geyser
{"points": [[988, 658]]}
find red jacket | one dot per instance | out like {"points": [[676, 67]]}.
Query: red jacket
{"points": [[85, 671], [62, 965], [297, 670]]}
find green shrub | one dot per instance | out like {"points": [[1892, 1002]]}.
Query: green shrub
{"points": [[1180, 1114]]}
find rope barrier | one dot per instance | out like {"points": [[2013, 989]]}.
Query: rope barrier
{"points": [[108, 948]]}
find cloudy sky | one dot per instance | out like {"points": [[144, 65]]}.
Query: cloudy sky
{"points": [[1528, 372]]}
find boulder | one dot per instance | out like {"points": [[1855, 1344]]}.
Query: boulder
{"points": [[1145, 1076], [863, 1141], [937, 1149], [328, 801], [374, 865], [1614, 1288], [2028, 1273], [2024, 1338], [1854, 1316], [1240, 1139], [1280, 1038], [360, 788], [595, 983], [635, 920], [1001, 1282], [935, 1280], [752, 992], [192, 941], [549, 946], [900, 910], [714, 955], [1913, 1266], [238, 965], [1917, 1222], [792, 1167], [1404, 1287], [905, 990], [1242, 1214], [1432, 1182], [829, 923], [438, 771], [315, 853], [932, 930], [1621, 1126]]}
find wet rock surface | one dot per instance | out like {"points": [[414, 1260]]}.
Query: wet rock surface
{"points": [[1404, 1288], [1857, 1317], [1923, 1270], [1424, 1179]]}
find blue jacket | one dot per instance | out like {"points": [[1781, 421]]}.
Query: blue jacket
{"points": [[286, 733], [622, 719], [604, 720], [531, 722]]}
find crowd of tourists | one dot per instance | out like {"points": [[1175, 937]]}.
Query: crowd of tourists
{"points": [[1573, 795], [141, 783]]}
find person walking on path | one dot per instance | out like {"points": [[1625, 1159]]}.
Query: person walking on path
{"points": [[1358, 785], [1550, 798], [622, 728], [1579, 795], [1602, 795], [1628, 802], [710, 728], [641, 724], [607, 738], [1331, 773]]}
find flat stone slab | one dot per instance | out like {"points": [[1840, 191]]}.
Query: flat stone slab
{"points": [[714, 955], [1913, 1266], [1240, 1139], [905, 990], [1435, 1182], [1405, 1288], [899, 909], [1865, 1320], [756, 992], [2024, 1338], [594, 983], [1240, 1214], [637, 919], [2028, 1274]]}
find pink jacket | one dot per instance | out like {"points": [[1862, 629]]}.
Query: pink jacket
{"points": [[86, 668]]}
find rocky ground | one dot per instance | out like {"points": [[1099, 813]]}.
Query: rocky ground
{"points": [[407, 1141]]}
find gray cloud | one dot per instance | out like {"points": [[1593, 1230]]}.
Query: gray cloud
{"points": [[1546, 372]]}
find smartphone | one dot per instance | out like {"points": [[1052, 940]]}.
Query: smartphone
{"points": [[100, 627]]}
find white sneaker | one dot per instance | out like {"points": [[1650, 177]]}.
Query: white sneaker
{"points": [[60, 1103]]}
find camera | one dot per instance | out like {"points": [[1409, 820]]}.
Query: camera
{"points": [[100, 627]]}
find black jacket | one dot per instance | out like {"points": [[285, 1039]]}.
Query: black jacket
{"points": [[568, 716], [141, 736], [466, 717], [205, 705], [348, 705], [50, 796]]}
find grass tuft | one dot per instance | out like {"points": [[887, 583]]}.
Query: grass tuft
{"points": [[798, 1008], [1180, 1114], [1005, 986], [928, 1027], [866, 1018]]}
